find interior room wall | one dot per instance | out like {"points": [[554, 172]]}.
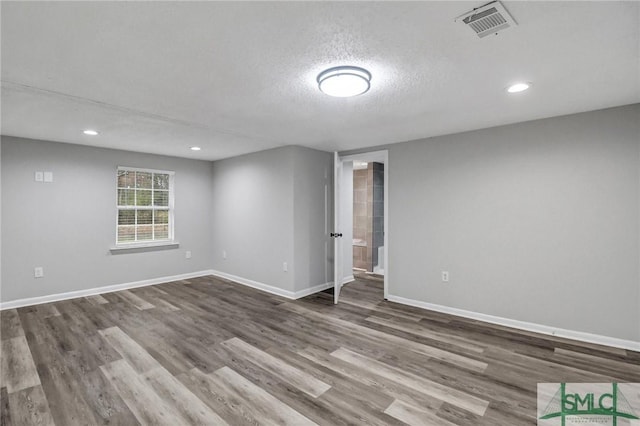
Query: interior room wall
{"points": [[252, 217], [536, 221], [269, 209], [68, 226]]}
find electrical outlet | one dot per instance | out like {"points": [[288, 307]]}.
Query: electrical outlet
{"points": [[48, 177], [38, 272], [445, 276], [187, 255], [38, 176], [224, 254], [285, 268]]}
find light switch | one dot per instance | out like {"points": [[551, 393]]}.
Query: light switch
{"points": [[48, 177], [38, 176]]}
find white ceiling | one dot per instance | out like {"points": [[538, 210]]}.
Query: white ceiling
{"points": [[238, 77]]}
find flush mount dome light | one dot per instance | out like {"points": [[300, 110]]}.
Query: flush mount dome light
{"points": [[343, 82], [518, 87]]}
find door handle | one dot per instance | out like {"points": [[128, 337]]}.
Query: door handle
{"points": [[336, 235]]}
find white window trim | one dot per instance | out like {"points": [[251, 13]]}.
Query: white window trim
{"points": [[148, 245], [153, 243]]}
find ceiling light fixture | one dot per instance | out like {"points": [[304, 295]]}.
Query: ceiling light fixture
{"points": [[90, 132], [359, 165], [518, 87], [344, 81], [195, 148]]}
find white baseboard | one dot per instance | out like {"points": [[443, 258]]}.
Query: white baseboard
{"points": [[160, 280], [522, 325], [272, 289], [312, 290], [347, 280], [255, 284], [98, 290]]}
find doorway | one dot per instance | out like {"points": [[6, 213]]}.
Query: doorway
{"points": [[362, 194], [368, 217]]}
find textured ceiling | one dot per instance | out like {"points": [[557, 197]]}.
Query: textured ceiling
{"points": [[239, 77]]}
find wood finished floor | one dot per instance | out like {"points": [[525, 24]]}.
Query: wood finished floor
{"points": [[208, 351]]}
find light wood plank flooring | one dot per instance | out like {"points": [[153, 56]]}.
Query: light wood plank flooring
{"points": [[211, 352]]}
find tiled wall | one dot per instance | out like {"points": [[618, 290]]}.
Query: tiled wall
{"points": [[376, 170], [368, 215], [361, 253]]}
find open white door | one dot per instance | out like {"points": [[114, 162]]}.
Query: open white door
{"points": [[337, 232]]}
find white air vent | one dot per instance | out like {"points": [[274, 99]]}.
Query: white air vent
{"points": [[488, 19]]}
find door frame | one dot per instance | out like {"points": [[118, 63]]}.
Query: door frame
{"points": [[338, 246], [381, 156]]}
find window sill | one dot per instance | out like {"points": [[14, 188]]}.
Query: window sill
{"points": [[142, 247]]}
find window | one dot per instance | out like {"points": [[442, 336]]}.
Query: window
{"points": [[145, 206]]}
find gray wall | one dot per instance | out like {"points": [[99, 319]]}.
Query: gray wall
{"points": [[68, 226], [269, 208], [538, 221], [252, 216], [251, 206], [313, 213]]}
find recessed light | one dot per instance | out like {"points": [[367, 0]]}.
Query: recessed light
{"points": [[518, 87], [90, 132], [195, 148], [344, 81]]}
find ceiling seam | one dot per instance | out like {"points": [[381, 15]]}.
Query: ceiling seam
{"points": [[11, 85]]}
